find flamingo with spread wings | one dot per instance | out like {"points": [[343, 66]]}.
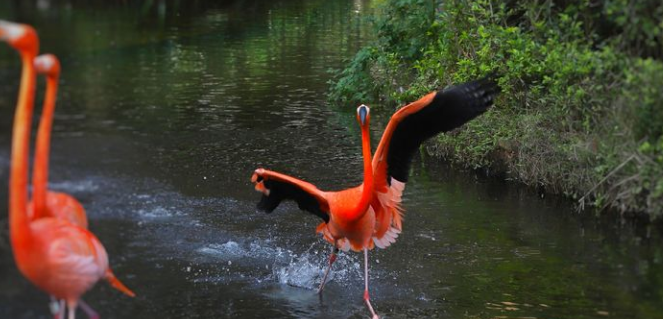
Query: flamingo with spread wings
{"points": [[60, 258], [370, 215]]}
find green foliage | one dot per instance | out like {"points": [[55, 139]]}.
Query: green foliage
{"points": [[582, 107], [354, 83]]}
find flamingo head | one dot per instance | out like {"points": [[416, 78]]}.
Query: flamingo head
{"points": [[363, 115], [47, 64], [21, 37]]}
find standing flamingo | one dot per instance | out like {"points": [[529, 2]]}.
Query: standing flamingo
{"points": [[60, 258], [370, 215], [47, 203]]}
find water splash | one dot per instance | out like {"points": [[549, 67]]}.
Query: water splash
{"points": [[306, 270], [303, 270], [76, 187]]}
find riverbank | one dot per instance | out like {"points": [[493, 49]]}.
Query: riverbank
{"points": [[581, 112]]}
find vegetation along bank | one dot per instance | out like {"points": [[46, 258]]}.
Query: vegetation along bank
{"points": [[581, 112]]}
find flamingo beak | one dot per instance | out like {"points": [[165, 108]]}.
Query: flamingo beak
{"points": [[3, 32], [363, 113]]}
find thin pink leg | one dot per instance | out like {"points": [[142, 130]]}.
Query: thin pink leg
{"points": [[366, 296], [54, 306], [57, 308], [72, 309], [88, 310], [332, 259], [63, 308]]}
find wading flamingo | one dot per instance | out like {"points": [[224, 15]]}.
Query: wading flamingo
{"points": [[47, 203], [370, 215], [60, 258]]}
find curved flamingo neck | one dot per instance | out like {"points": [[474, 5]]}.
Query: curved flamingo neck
{"points": [[367, 186], [40, 173], [19, 225]]}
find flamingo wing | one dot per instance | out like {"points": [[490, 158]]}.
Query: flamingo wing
{"points": [[276, 187], [436, 112], [408, 128]]}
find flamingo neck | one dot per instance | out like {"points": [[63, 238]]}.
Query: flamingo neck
{"points": [[19, 225], [40, 175], [367, 186]]}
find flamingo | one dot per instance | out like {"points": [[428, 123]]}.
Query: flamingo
{"points": [[48, 203], [370, 214], [62, 259]]}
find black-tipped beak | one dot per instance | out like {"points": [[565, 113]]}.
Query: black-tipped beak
{"points": [[363, 112]]}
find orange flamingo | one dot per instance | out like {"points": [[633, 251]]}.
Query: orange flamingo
{"points": [[60, 258], [47, 203], [370, 215]]}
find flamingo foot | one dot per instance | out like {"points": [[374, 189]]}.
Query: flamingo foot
{"points": [[91, 314], [368, 304]]}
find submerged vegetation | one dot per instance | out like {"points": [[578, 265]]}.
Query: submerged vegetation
{"points": [[581, 112]]}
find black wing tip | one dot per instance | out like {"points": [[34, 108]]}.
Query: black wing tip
{"points": [[489, 83], [267, 204], [281, 191], [479, 95]]}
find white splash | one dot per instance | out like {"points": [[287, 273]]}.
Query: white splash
{"points": [[306, 270], [85, 186]]}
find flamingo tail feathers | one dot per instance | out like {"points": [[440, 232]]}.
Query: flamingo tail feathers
{"points": [[117, 284]]}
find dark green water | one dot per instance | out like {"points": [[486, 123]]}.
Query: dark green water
{"points": [[166, 108]]}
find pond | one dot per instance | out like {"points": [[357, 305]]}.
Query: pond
{"points": [[166, 108]]}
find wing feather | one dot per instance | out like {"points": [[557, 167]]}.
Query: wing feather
{"points": [[276, 187], [408, 128], [436, 112]]}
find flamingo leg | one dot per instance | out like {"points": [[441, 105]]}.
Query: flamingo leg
{"points": [[63, 309], [54, 306], [57, 308], [91, 314], [72, 309], [366, 296], [332, 259]]}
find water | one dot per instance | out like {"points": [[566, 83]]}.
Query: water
{"points": [[167, 107]]}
